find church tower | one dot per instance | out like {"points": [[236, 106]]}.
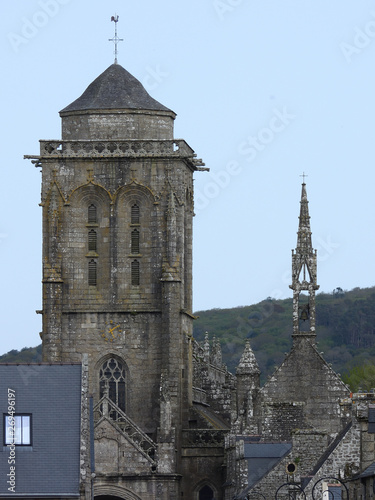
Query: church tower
{"points": [[304, 275], [117, 199]]}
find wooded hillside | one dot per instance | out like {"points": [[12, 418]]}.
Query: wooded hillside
{"points": [[345, 323]]}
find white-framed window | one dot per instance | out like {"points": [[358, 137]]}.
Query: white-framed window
{"points": [[17, 430]]}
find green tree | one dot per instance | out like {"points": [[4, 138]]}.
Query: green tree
{"points": [[361, 377]]}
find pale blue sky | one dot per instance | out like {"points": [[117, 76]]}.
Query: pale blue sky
{"points": [[264, 91]]}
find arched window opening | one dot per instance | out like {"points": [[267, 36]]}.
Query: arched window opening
{"points": [[135, 241], [135, 273], [92, 273], [92, 214], [134, 216], [206, 493], [92, 240], [112, 383]]}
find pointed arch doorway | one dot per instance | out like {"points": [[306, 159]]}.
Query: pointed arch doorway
{"points": [[103, 492], [206, 493], [107, 497], [114, 497]]}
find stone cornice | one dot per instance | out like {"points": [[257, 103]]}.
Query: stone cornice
{"points": [[171, 149]]}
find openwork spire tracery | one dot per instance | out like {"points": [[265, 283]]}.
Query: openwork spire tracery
{"points": [[304, 274]]}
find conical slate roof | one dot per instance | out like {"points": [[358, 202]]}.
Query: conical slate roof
{"points": [[115, 88]]}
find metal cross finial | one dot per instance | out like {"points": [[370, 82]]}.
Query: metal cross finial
{"points": [[115, 39], [303, 176]]}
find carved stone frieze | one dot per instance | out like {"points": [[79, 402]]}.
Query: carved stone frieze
{"points": [[101, 149]]}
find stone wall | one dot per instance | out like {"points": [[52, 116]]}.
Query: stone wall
{"points": [[214, 384], [304, 392]]}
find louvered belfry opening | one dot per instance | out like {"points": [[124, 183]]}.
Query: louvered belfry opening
{"points": [[92, 272], [92, 219], [135, 242], [92, 241], [135, 214], [135, 273], [92, 214]]}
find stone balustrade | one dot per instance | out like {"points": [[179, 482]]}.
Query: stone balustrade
{"points": [[170, 148]]}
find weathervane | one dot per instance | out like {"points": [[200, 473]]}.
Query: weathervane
{"points": [[303, 176], [115, 39]]}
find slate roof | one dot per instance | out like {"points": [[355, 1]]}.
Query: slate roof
{"points": [[51, 394], [261, 458], [215, 420], [369, 472], [115, 88]]}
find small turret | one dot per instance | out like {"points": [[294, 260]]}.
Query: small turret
{"points": [[248, 364], [248, 381]]}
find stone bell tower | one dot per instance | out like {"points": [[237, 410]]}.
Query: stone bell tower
{"points": [[117, 198], [304, 275]]}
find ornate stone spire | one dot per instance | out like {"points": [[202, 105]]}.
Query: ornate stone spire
{"points": [[304, 232], [248, 364], [216, 357], [206, 348], [304, 269]]}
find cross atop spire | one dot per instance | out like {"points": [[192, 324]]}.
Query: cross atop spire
{"points": [[303, 177], [115, 39]]}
